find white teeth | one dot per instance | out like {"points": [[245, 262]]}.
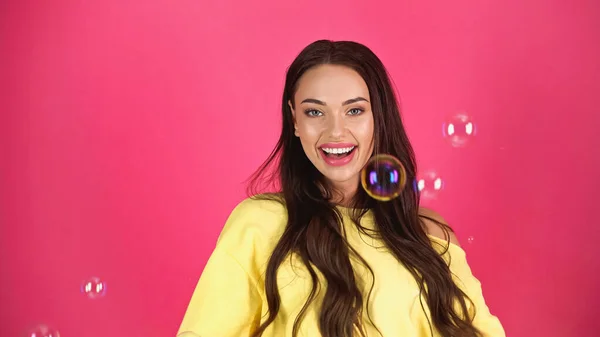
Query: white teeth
{"points": [[338, 150]]}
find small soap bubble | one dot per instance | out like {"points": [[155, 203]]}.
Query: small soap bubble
{"points": [[93, 288], [429, 184], [459, 129], [43, 331], [383, 178]]}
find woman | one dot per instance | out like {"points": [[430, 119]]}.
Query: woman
{"points": [[320, 257]]}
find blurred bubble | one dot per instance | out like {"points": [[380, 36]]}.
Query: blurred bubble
{"points": [[383, 177], [429, 184], [43, 331], [470, 239], [459, 129], [93, 287]]}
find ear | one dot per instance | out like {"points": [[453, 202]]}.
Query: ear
{"points": [[294, 118]]}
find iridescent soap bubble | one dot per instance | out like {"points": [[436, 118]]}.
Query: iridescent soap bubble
{"points": [[43, 331], [429, 184], [383, 177], [93, 287], [459, 129]]}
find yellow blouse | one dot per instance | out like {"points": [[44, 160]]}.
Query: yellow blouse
{"points": [[229, 299]]}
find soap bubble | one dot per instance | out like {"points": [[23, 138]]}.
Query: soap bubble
{"points": [[459, 129], [43, 331], [383, 177], [93, 287], [429, 184]]}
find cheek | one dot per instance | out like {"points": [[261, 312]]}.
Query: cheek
{"points": [[366, 133], [366, 140], [309, 132]]}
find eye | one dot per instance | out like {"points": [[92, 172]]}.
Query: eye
{"points": [[313, 113], [355, 111]]}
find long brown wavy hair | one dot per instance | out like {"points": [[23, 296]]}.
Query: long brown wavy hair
{"points": [[314, 231]]}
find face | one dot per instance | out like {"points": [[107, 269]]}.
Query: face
{"points": [[333, 118]]}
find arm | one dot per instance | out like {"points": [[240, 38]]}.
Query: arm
{"points": [[225, 301], [228, 301], [487, 323], [484, 320]]}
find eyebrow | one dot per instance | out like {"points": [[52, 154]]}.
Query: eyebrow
{"points": [[350, 101]]}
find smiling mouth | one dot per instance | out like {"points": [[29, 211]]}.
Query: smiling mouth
{"points": [[338, 152]]}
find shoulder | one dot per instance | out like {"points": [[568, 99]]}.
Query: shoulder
{"points": [[436, 226], [256, 217], [262, 205]]}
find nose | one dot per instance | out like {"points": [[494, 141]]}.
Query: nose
{"points": [[337, 126]]}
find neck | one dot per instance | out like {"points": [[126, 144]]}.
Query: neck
{"points": [[344, 192]]}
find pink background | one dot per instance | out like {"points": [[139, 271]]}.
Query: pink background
{"points": [[128, 127]]}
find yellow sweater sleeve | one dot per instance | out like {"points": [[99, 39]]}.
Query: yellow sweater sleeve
{"points": [[484, 320], [227, 300]]}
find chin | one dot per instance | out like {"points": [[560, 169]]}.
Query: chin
{"points": [[342, 176]]}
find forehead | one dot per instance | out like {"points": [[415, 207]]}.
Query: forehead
{"points": [[331, 84]]}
